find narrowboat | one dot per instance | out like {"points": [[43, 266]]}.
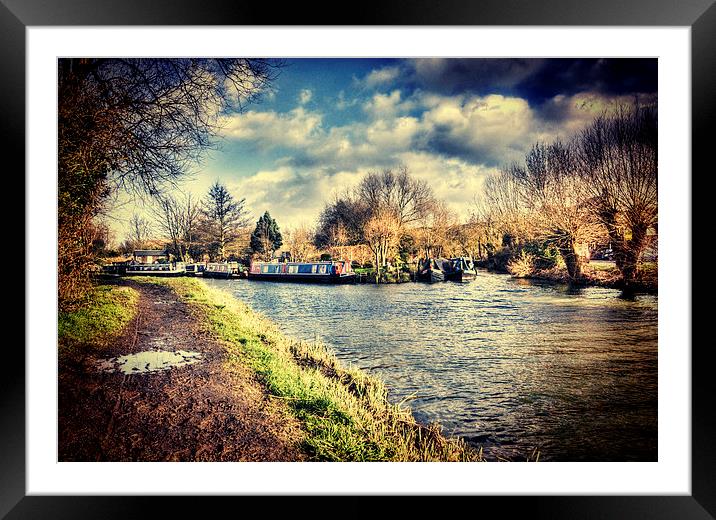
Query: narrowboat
{"points": [[165, 269], [195, 269], [221, 270], [316, 272], [114, 269], [463, 269], [430, 270]]}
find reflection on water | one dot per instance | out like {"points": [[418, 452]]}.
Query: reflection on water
{"points": [[510, 365]]}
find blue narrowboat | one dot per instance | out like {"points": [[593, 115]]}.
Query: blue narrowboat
{"points": [[316, 272]]}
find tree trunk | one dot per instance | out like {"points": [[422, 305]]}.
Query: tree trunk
{"points": [[377, 266], [571, 259], [632, 253]]}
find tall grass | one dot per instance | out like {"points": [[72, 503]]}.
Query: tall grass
{"points": [[345, 412]]}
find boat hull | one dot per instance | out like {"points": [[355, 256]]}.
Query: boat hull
{"points": [[431, 276], [217, 274], [155, 273], [461, 276], [303, 278]]}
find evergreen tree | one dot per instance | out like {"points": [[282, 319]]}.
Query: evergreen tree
{"points": [[266, 238], [223, 218]]}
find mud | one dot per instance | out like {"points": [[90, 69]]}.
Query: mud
{"points": [[196, 408]]}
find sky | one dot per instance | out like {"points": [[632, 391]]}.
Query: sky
{"points": [[326, 123]]}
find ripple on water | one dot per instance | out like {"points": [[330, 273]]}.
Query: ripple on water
{"points": [[542, 365]]}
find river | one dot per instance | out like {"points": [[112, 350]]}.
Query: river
{"points": [[512, 366]]}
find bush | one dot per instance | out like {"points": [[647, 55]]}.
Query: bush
{"points": [[499, 260], [523, 265], [543, 257]]}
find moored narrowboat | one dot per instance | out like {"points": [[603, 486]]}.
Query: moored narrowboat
{"points": [[221, 270], [431, 270], [195, 269], [163, 269], [463, 269], [315, 272]]}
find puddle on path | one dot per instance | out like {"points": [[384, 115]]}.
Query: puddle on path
{"points": [[149, 361]]}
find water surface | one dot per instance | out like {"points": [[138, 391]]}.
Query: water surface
{"points": [[510, 365]]}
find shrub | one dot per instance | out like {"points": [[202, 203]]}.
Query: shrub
{"points": [[523, 265]]}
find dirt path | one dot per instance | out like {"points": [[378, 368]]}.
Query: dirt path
{"points": [[198, 412]]}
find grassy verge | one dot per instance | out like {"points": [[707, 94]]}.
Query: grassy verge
{"points": [[105, 312], [344, 411]]}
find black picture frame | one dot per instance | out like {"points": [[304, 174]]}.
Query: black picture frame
{"points": [[699, 15]]}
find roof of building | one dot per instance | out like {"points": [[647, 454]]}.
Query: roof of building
{"points": [[149, 252]]}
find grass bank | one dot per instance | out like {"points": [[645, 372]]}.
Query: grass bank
{"points": [[344, 411], [105, 311]]}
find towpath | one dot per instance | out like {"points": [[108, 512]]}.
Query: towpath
{"points": [[205, 411]]}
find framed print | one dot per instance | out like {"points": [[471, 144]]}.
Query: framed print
{"points": [[368, 154]]}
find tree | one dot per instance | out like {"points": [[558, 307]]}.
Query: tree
{"points": [[397, 193], [299, 242], [140, 231], [435, 226], [382, 233], [136, 124], [341, 220], [555, 194], [266, 237], [617, 158], [223, 218], [177, 218]]}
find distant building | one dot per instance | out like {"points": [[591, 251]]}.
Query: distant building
{"points": [[150, 256]]}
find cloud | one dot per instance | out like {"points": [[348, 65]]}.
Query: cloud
{"points": [[534, 79], [453, 180], [450, 76], [271, 129], [291, 195], [386, 106], [382, 76], [451, 142], [342, 103], [305, 96], [491, 130]]}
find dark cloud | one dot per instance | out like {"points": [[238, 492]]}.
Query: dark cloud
{"points": [[608, 76], [535, 79]]}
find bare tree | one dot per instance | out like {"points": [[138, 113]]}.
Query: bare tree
{"points": [[140, 231], [342, 219], [617, 158], [382, 233], [177, 218], [434, 231], [550, 187], [299, 242], [223, 217], [396, 192], [503, 209]]}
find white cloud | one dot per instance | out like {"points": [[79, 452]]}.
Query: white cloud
{"points": [[271, 129], [305, 96], [386, 106], [382, 76]]}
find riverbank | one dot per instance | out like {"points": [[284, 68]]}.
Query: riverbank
{"points": [[293, 400], [594, 274]]}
